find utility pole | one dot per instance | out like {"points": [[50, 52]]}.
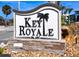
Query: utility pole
{"points": [[19, 5]]}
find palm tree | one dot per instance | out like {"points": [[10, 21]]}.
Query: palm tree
{"points": [[6, 10], [43, 17], [62, 8], [68, 11]]}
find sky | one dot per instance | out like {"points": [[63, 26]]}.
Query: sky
{"points": [[28, 5]]}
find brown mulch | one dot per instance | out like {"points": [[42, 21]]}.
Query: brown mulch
{"points": [[29, 53]]}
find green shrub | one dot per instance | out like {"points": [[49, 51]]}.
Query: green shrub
{"points": [[1, 50]]}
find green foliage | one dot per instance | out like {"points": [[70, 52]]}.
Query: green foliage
{"points": [[62, 20], [1, 50]]}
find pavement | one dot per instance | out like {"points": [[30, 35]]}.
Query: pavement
{"points": [[5, 35]]}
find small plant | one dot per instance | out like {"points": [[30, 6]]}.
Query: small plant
{"points": [[1, 50]]}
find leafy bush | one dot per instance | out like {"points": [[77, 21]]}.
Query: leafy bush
{"points": [[1, 50]]}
